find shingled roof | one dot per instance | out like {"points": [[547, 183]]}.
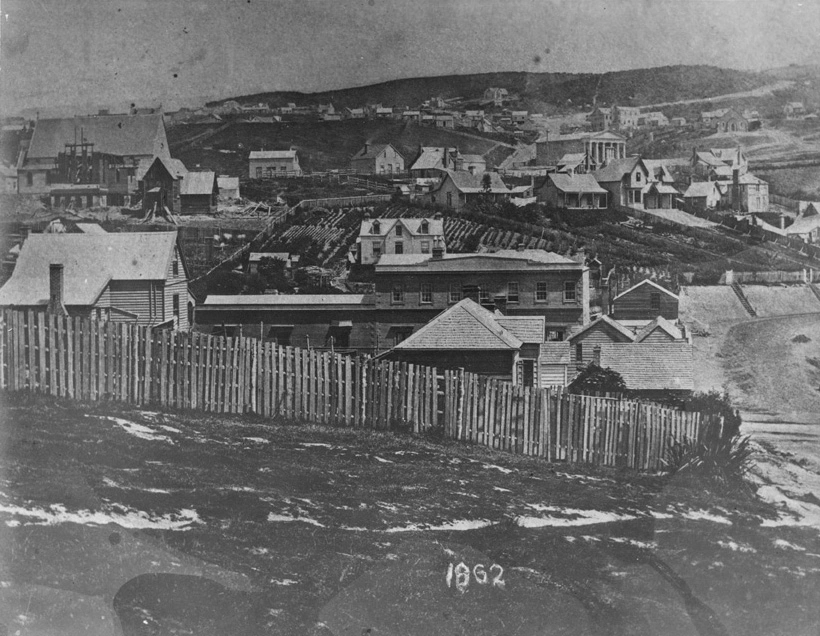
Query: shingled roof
{"points": [[121, 135], [412, 225], [195, 183], [651, 366], [576, 183], [528, 329], [90, 261], [616, 169], [464, 326]]}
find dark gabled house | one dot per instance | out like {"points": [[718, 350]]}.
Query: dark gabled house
{"points": [[645, 301], [198, 193], [464, 336], [377, 159], [160, 183], [624, 179], [137, 277]]}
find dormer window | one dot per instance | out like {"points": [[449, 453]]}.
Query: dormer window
{"points": [[398, 230], [425, 227], [377, 227]]}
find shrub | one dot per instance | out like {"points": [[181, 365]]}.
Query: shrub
{"points": [[595, 379], [800, 338], [720, 457]]}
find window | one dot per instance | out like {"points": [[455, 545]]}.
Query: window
{"points": [[175, 301], [426, 294], [398, 294], [637, 177], [399, 247], [455, 293], [425, 227], [377, 227], [449, 200], [377, 249], [399, 229], [175, 268], [579, 353], [400, 334], [569, 291], [484, 297], [259, 173], [541, 292], [30, 178], [555, 336], [655, 301], [512, 292], [283, 168], [425, 247]]}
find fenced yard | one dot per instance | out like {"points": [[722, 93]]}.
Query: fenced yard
{"points": [[96, 361]]}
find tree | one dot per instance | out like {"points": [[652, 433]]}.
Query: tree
{"points": [[486, 182], [595, 379]]}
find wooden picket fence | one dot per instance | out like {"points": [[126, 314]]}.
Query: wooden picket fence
{"points": [[95, 361]]}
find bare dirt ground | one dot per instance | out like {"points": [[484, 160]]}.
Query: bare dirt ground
{"points": [[127, 521]]}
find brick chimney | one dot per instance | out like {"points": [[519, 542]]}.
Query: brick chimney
{"points": [[56, 289], [438, 248]]}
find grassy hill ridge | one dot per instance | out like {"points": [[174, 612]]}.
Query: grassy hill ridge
{"points": [[632, 87]]}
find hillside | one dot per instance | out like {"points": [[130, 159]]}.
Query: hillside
{"points": [[321, 145], [635, 87]]}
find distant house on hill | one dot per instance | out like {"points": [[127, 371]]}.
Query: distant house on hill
{"points": [[457, 189], [399, 236], [625, 117], [270, 163], [653, 119], [138, 277], [377, 159], [794, 110], [496, 95], [806, 226], [709, 117], [573, 192], [624, 179], [8, 178], [701, 196], [600, 118], [732, 121]]}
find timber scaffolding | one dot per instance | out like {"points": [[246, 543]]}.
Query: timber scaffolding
{"points": [[87, 360]]}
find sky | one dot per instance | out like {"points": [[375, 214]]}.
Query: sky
{"points": [[63, 56]]}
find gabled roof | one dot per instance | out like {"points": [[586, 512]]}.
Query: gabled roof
{"points": [[659, 323], [708, 158], [272, 154], [121, 135], [412, 225], [90, 261], [604, 320], [464, 326], [660, 188], [576, 183], [804, 224], [430, 158], [658, 170], [371, 151], [699, 189], [616, 169], [528, 329], [646, 281], [198, 183], [175, 167], [572, 159], [651, 366], [472, 183], [473, 159], [227, 183]]}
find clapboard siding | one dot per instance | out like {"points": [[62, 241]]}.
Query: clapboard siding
{"points": [[636, 305], [553, 375], [597, 335], [176, 284], [143, 298]]}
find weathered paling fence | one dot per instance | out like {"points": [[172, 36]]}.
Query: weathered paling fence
{"points": [[90, 360]]}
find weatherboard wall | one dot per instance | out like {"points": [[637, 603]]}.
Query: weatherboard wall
{"points": [[637, 305]]}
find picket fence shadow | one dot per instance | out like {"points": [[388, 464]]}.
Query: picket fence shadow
{"points": [[88, 360]]}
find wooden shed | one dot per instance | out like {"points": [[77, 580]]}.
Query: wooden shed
{"points": [[198, 193], [645, 301]]}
